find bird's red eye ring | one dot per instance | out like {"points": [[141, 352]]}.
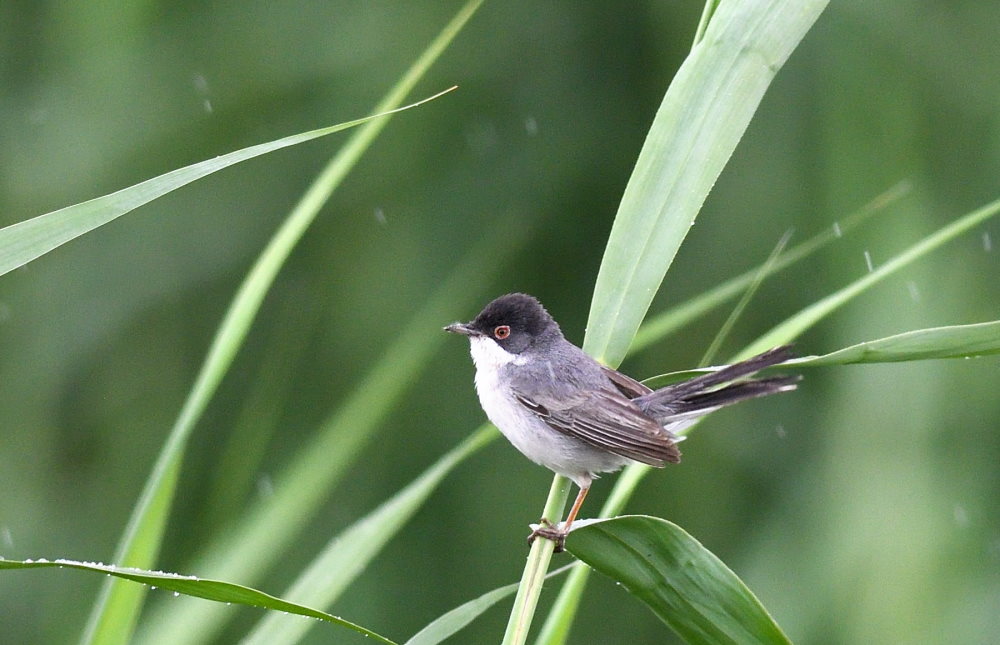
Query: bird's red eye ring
{"points": [[501, 331]]}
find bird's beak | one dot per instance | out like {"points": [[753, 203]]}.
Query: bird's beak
{"points": [[461, 328]]}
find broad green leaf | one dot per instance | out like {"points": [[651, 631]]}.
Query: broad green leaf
{"points": [[116, 611], [214, 590], [347, 555], [450, 623], [658, 327], [684, 584], [25, 241], [703, 115], [794, 326]]}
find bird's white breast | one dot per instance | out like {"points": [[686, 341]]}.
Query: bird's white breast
{"points": [[529, 434]]}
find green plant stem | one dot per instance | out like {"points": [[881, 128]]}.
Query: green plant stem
{"points": [[556, 628], [536, 567]]}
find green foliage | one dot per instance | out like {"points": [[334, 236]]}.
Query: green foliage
{"points": [[214, 590], [881, 475], [680, 580]]}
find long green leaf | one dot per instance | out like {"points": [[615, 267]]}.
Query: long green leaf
{"points": [[956, 341], [347, 555], [450, 623], [270, 525], [795, 325], [25, 241], [214, 590], [703, 116], [658, 327], [115, 613], [684, 584]]}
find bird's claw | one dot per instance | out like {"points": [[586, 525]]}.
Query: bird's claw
{"points": [[549, 531]]}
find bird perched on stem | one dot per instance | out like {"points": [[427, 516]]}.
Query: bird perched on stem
{"points": [[567, 412]]}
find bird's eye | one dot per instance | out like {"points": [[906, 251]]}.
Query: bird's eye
{"points": [[501, 331]]}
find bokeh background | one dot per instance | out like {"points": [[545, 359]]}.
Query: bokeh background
{"points": [[861, 509]]}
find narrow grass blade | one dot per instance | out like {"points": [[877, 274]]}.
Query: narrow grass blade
{"points": [[214, 590], [25, 241], [270, 525], [765, 270], [957, 341], [450, 623], [347, 555], [703, 115], [684, 584], [794, 326], [115, 614], [662, 325]]}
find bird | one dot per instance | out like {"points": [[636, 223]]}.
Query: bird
{"points": [[579, 418]]}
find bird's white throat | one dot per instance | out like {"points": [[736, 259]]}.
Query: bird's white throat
{"points": [[487, 355]]}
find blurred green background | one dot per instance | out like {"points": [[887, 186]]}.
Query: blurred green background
{"points": [[861, 509]]}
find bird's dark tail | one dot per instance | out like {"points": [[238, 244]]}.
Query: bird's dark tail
{"points": [[702, 394]]}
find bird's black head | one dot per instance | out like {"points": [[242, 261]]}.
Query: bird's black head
{"points": [[514, 321]]}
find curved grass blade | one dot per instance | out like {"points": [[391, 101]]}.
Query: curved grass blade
{"points": [[794, 326], [450, 623], [684, 584], [347, 555], [658, 327], [25, 241], [270, 525], [955, 341], [115, 613], [215, 590], [704, 113]]}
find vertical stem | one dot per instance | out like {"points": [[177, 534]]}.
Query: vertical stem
{"points": [[535, 568]]}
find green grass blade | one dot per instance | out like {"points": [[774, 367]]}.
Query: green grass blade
{"points": [[25, 241], [765, 270], [703, 115], [662, 325], [794, 326], [684, 584], [116, 611], [271, 524], [214, 590], [347, 555], [450, 623], [956, 341]]}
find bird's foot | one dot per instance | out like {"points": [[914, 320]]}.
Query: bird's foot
{"points": [[549, 531]]}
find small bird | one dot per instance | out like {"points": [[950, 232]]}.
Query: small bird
{"points": [[578, 418]]}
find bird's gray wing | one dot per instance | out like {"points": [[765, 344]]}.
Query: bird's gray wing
{"points": [[607, 420]]}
